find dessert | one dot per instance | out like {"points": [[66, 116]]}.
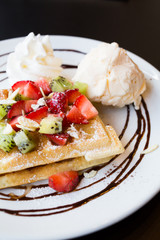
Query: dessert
{"points": [[18, 177], [38, 129], [112, 77], [33, 58]]}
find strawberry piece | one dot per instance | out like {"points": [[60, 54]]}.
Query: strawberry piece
{"points": [[59, 138], [75, 116], [28, 89], [58, 103], [64, 181], [28, 105], [14, 122], [17, 108], [44, 84], [72, 95], [37, 115], [85, 107]]}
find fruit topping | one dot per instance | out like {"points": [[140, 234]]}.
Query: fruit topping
{"points": [[39, 114], [82, 87], [5, 106], [60, 84], [64, 181], [28, 89], [14, 123], [6, 142], [72, 95], [59, 138], [20, 106], [61, 105], [85, 107], [75, 116], [51, 125], [24, 142], [44, 85], [58, 103], [6, 137]]}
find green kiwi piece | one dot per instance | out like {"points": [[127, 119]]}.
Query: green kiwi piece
{"points": [[4, 110], [2, 126], [81, 86], [60, 84], [23, 141], [51, 125], [6, 142]]}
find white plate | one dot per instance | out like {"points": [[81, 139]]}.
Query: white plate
{"points": [[135, 191]]}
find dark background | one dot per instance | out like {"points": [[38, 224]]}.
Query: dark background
{"points": [[134, 24]]}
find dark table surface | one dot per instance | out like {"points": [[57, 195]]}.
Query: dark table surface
{"points": [[134, 24]]}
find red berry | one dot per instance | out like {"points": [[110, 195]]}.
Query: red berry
{"points": [[75, 116], [37, 115], [28, 105], [59, 138], [14, 122], [17, 108], [44, 84], [58, 103], [28, 89], [85, 107], [64, 181], [72, 95]]}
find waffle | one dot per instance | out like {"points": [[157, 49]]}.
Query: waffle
{"points": [[91, 144], [80, 163]]}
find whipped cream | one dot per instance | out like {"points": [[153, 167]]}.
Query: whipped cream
{"points": [[112, 77], [33, 58]]}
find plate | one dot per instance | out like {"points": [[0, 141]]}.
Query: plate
{"points": [[119, 188]]}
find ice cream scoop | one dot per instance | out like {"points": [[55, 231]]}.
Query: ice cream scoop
{"points": [[112, 77]]}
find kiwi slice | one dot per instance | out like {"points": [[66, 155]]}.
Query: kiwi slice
{"points": [[4, 110], [5, 106], [60, 84], [6, 140], [2, 126], [82, 87], [23, 141], [51, 125]]}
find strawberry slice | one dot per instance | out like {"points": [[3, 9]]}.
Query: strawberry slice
{"points": [[28, 105], [58, 103], [64, 181], [44, 84], [59, 138], [85, 107], [72, 95], [17, 108], [75, 116], [28, 89], [37, 115], [14, 122]]}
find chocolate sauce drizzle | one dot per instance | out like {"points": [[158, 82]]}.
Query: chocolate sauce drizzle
{"points": [[122, 171]]}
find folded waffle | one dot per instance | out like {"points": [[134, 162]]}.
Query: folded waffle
{"points": [[89, 143], [112, 148]]}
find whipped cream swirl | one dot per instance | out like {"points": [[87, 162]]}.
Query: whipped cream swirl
{"points": [[33, 58]]}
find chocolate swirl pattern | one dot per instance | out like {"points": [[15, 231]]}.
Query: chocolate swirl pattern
{"points": [[112, 178]]}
